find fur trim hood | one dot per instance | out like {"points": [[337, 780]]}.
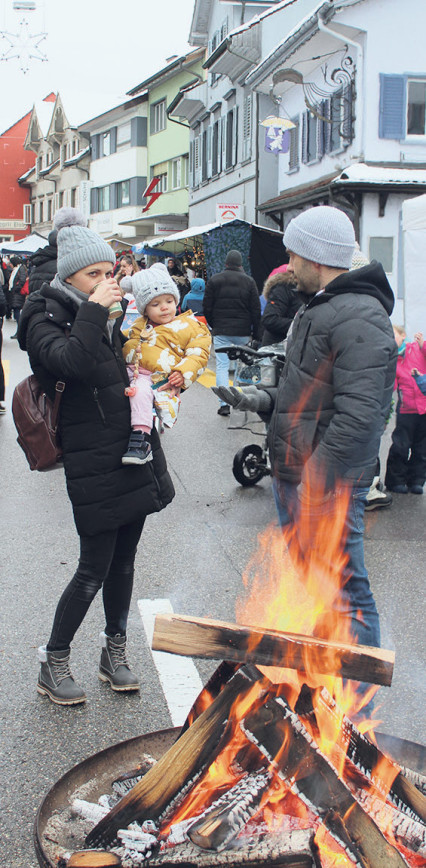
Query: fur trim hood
{"points": [[275, 280]]}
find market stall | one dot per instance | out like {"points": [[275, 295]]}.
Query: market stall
{"points": [[204, 248]]}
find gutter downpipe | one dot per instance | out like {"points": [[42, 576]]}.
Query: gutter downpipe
{"points": [[361, 81]]}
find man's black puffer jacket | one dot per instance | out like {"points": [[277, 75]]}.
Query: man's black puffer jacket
{"points": [[231, 303], [335, 391], [67, 341]]}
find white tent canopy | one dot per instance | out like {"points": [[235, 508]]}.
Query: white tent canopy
{"points": [[26, 245], [414, 238]]}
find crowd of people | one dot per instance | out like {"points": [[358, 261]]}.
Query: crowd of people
{"points": [[327, 306]]}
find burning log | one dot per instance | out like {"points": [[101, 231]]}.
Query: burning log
{"points": [[202, 637], [221, 823], [185, 759], [281, 737], [94, 859], [350, 745]]}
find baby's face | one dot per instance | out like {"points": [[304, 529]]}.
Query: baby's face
{"points": [[162, 309]]}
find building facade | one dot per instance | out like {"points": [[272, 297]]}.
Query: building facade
{"points": [[118, 169], [62, 158], [15, 216], [165, 208]]}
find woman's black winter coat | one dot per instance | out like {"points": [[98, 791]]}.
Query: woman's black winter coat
{"points": [[20, 278], [231, 303], [43, 264], [282, 303], [68, 342]]}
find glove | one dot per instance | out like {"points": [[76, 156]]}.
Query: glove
{"points": [[250, 398]]}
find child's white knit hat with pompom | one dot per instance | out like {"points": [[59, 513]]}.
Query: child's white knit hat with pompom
{"points": [[147, 284]]}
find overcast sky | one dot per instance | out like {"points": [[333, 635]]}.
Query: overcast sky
{"points": [[92, 45]]}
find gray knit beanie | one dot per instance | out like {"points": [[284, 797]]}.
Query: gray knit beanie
{"points": [[78, 246], [148, 284], [234, 258], [322, 234]]}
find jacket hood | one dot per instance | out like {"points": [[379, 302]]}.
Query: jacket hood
{"points": [[44, 254], [276, 280], [197, 287], [370, 280], [46, 298]]}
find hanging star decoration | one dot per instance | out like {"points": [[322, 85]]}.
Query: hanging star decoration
{"points": [[22, 46]]}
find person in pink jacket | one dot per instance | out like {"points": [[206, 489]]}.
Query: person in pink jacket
{"points": [[406, 464]]}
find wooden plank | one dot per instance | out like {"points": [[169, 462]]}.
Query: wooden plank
{"points": [[202, 637], [180, 764]]}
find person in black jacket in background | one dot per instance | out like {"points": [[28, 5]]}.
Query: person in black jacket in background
{"points": [[282, 303], [43, 263], [67, 330], [16, 283], [232, 309], [3, 309]]}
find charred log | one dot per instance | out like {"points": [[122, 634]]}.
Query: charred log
{"points": [[222, 822], [281, 736], [350, 745], [191, 752]]}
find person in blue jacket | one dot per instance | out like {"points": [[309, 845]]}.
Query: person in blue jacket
{"points": [[193, 299]]}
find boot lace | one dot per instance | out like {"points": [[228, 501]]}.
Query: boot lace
{"points": [[61, 669], [117, 654]]}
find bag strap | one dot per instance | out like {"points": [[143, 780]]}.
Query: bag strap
{"points": [[59, 388]]}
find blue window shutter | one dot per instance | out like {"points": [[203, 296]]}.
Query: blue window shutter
{"points": [[392, 107]]}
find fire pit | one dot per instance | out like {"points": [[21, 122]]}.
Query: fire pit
{"points": [[59, 832]]}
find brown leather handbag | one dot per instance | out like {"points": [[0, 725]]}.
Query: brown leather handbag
{"points": [[36, 421]]}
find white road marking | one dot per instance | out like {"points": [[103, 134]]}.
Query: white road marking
{"points": [[178, 676]]}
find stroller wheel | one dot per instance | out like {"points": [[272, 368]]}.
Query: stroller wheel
{"points": [[249, 465]]}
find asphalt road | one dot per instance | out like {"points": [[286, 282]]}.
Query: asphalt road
{"points": [[192, 554]]}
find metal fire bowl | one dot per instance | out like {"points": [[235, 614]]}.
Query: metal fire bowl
{"points": [[104, 767]]}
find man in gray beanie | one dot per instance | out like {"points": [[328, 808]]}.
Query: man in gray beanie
{"points": [[231, 307], [332, 401]]}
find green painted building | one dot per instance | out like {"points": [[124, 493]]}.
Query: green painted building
{"points": [[166, 208]]}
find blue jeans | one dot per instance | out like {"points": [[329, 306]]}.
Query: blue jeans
{"points": [[222, 361], [358, 600]]}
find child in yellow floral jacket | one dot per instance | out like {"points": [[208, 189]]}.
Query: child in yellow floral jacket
{"points": [[164, 354]]}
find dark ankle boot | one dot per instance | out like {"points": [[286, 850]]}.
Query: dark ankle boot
{"points": [[114, 666], [55, 679]]}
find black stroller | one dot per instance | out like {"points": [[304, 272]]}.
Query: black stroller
{"points": [[254, 367]]}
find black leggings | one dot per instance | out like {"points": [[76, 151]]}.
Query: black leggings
{"points": [[406, 464], [1, 366], [106, 561]]}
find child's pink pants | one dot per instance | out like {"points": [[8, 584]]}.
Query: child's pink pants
{"points": [[141, 404]]}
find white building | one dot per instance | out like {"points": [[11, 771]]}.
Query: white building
{"points": [[227, 167], [363, 145], [118, 168]]}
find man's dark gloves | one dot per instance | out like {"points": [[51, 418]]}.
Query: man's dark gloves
{"points": [[248, 398]]}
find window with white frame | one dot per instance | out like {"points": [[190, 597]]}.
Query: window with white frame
{"points": [[123, 194], [74, 147], [106, 143], [49, 210], [231, 138], [103, 199], [40, 211], [162, 185], [158, 116], [124, 132], [381, 249], [73, 197], [176, 173], [185, 171], [216, 148], [27, 215], [5, 238], [416, 104]]}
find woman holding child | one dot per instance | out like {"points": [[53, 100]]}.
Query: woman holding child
{"points": [[70, 335]]}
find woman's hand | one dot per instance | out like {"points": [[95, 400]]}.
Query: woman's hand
{"points": [[106, 292], [419, 338]]}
